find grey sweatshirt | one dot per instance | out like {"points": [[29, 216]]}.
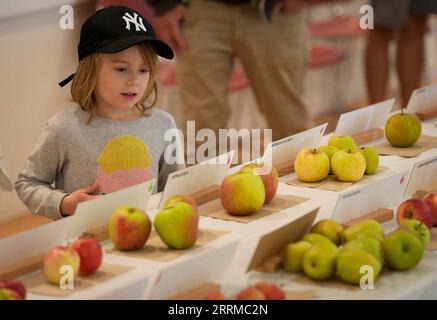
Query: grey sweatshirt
{"points": [[70, 155]]}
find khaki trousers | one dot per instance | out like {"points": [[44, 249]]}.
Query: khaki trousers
{"points": [[274, 56]]}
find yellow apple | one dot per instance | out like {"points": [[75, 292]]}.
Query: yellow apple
{"points": [[342, 142], [328, 228], [348, 166], [311, 165], [403, 129]]}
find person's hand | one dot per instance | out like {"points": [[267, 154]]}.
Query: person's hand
{"points": [[168, 28], [70, 202], [289, 6]]}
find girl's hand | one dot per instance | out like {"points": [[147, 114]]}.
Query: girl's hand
{"points": [[69, 203]]}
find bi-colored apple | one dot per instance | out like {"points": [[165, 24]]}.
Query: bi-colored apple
{"points": [[269, 176], [415, 209], [58, 257], [15, 285], [129, 228], [431, 200], [242, 193], [250, 293], [270, 291], [9, 294], [177, 223]]}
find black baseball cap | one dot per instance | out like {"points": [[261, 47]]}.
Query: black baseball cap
{"points": [[113, 29]]}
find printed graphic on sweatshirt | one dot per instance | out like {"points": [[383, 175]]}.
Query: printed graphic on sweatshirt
{"points": [[124, 161]]}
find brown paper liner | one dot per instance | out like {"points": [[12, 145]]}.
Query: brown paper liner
{"points": [[215, 210], [423, 144], [155, 249], [38, 284]]}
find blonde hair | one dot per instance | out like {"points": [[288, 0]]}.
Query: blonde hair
{"points": [[85, 79]]}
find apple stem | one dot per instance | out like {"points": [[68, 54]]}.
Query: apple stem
{"points": [[315, 150]]}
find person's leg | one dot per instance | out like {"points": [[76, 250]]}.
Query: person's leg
{"points": [[204, 68], [411, 55], [377, 63], [274, 56], [389, 16]]}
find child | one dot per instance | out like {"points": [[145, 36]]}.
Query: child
{"points": [[112, 139]]}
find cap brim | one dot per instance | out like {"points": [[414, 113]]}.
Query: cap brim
{"points": [[162, 49]]}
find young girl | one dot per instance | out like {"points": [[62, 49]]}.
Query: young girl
{"points": [[112, 139]]}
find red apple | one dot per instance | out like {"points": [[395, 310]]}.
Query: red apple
{"points": [[9, 294], [415, 209], [214, 295], [15, 285], [271, 291], [58, 257], [431, 200], [90, 253], [251, 293], [269, 176]]}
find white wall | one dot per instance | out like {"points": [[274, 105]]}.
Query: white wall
{"points": [[35, 55]]}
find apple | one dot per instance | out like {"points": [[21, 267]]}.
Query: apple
{"points": [[329, 151], [15, 285], [9, 294], [57, 257], [314, 238], [372, 159], [418, 228], [328, 228], [242, 193], [342, 142], [270, 291], [348, 166], [129, 228], [319, 262], [403, 129], [431, 200], [251, 293], [403, 250], [369, 227], [214, 295], [269, 176], [369, 244], [177, 223], [350, 261], [90, 253], [311, 165], [292, 255], [415, 209]]}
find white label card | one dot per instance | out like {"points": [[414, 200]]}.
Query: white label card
{"points": [[377, 195], [286, 149], [364, 119], [423, 99], [423, 175], [197, 177], [97, 212], [30, 243]]}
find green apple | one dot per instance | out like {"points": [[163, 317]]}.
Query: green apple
{"points": [[418, 228], [328, 228], [403, 250], [348, 166], [311, 165], [372, 159], [319, 262], [350, 262], [314, 238], [242, 193], [368, 244], [329, 151], [292, 255], [371, 228], [342, 142], [177, 223], [403, 129]]}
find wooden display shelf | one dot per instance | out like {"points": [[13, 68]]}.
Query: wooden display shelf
{"points": [[427, 115], [368, 136]]}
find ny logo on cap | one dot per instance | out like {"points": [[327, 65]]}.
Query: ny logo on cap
{"points": [[136, 20]]}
